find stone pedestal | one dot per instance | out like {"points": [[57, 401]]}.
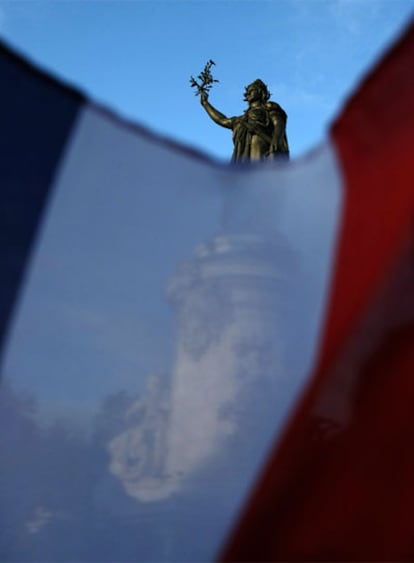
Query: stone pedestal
{"points": [[229, 301], [215, 414]]}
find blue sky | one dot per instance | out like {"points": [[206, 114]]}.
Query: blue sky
{"points": [[136, 56]]}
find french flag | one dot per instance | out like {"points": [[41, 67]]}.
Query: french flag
{"points": [[205, 361]]}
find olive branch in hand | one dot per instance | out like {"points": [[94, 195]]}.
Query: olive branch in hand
{"points": [[206, 80]]}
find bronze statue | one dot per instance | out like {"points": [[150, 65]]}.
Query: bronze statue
{"points": [[257, 134]]}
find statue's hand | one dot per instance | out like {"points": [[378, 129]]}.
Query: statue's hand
{"points": [[203, 98]]}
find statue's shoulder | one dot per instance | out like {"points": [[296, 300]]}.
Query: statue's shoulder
{"points": [[275, 108]]}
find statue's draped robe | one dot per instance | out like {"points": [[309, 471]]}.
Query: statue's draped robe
{"points": [[260, 121]]}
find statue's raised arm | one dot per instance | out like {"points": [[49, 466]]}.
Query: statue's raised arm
{"points": [[257, 134], [216, 115]]}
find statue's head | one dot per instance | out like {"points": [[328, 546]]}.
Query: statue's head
{"points": [[257, 90]]}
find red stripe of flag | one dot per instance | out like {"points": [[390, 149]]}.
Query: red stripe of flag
{"points": [[340, 486]]}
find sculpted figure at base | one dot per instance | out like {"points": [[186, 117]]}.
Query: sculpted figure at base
{"points": [[261, 131]]}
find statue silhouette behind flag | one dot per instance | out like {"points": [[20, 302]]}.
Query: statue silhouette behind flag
{"points": [[257, 134]]}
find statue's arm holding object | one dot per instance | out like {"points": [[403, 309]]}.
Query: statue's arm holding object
{"points": [[202, 86], [216, 115]]}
